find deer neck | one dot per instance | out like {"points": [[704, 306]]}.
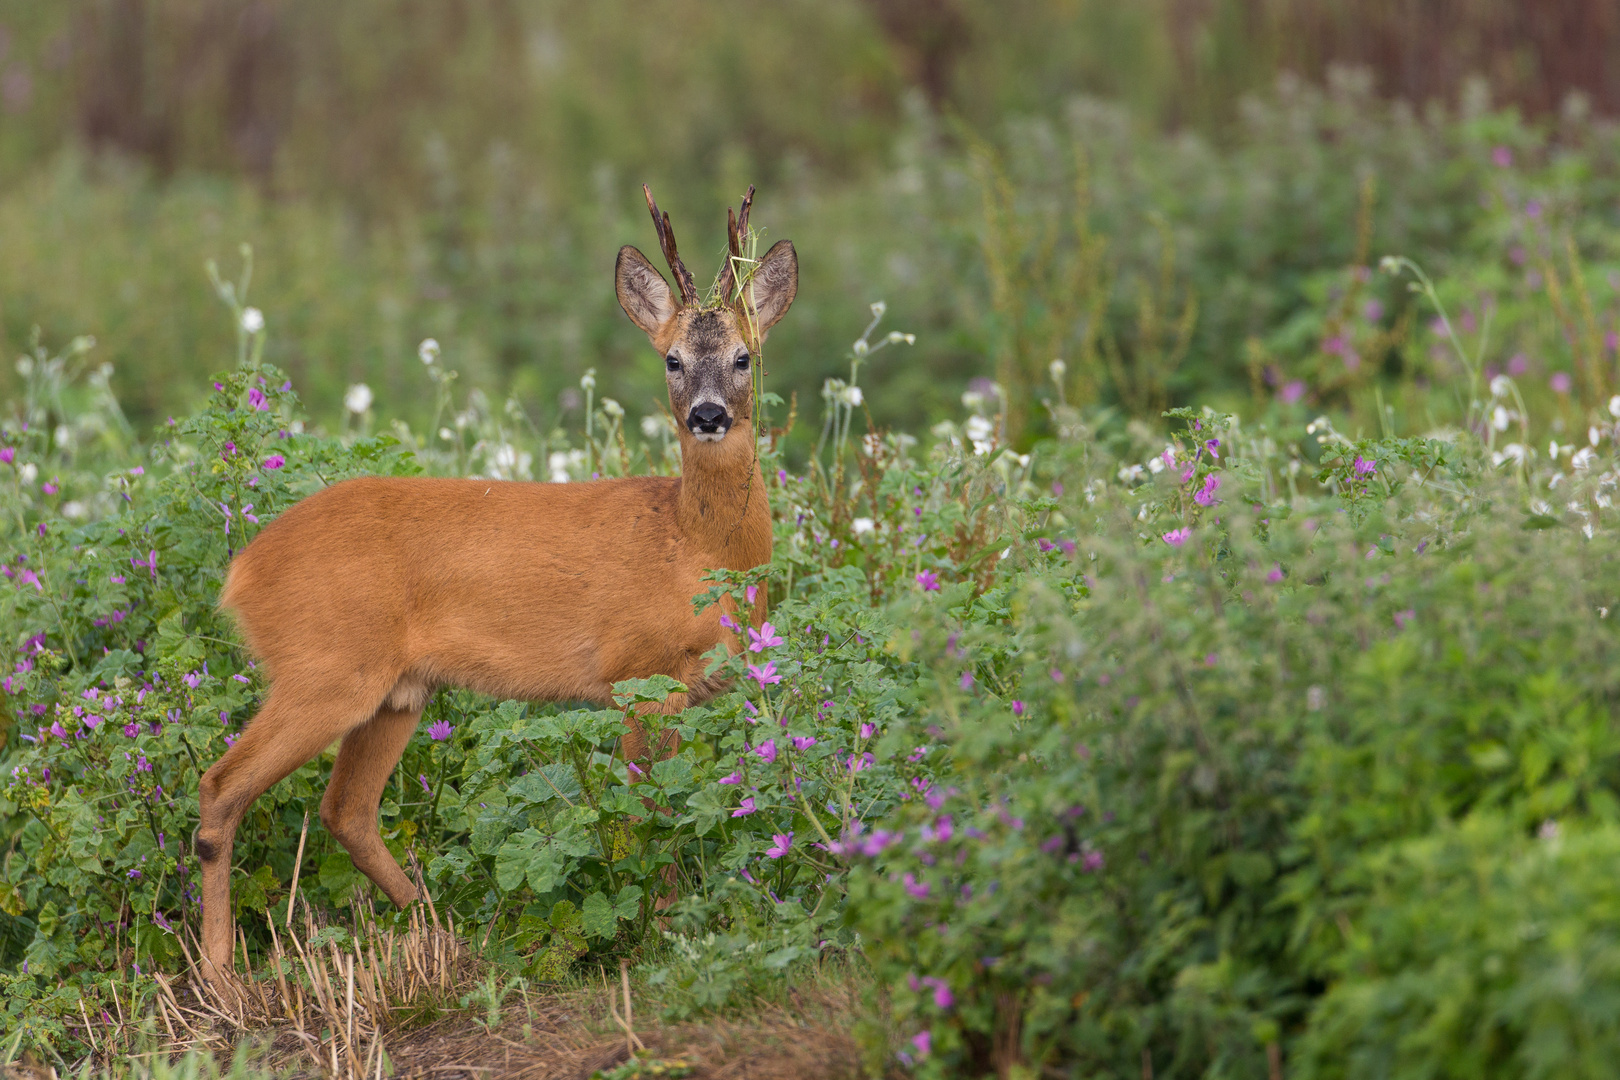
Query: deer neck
{"points": [[723, 510]]}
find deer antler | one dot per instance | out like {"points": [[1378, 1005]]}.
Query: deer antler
{"points": [[736, 233], [666, 240]]}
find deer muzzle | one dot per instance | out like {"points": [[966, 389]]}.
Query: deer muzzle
{"points": [[708, 421]]}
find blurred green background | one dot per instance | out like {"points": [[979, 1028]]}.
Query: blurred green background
{"points": [[1167, 193]]}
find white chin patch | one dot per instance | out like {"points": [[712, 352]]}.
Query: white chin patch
{"points": [[708, 436]]}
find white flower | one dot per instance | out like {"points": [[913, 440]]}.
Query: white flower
{"points": [[1501, 386], [1587, 530], [612, 408], [75, 510], [1315, 698], [1058, 369], [863, 526], [587, 381], [1155, 465], [978, 428], [972, 399], [428, 351], [358, 399], [1500, 418], [851, 396], [1583, 459], [862, 348], [1552, 450], [651, 427], [29, 472], [1593, 435], [252, 320], [1614, 406], [64, 435], [1131, 473], [25, 366], [878, 308]]}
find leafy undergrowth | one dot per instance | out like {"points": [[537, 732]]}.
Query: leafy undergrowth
{"points": [[1209, 750]]}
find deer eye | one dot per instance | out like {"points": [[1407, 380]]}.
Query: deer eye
{"points": [[672, 362], [742, 362]]}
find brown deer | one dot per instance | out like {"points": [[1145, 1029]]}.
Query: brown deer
{"points": [[364, 598]]}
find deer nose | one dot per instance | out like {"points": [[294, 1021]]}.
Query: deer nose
{"points": [[706, 417]]}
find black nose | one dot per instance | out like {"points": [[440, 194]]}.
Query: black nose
{"points": [[707, 417]]}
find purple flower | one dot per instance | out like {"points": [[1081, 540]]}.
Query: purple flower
{"points": [[1404, 617], [763, 638], [803, 742], [751, 592], [257, 400], [734, 778], [1018, 708], [134, 874], [440, 731], [1560, 382], [1092, 862], [8, 455], [51, 486], [1502, 157], [1372, 311], [1291, 392], [744, 808], [56, 729], [132, 729], [274, 461], [868, 730], [150, 562], [784, 841], [247, 512], [766, 675], [191, 679], [632, 767], [1176, 537], [917, 889], [423, 780], [1206, 495], [967, 680], [767, 751], [1365, 467], [929, 581], [924, 1042], [239, 677], [943, 998]]}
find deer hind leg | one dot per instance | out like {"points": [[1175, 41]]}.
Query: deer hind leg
{"points": [[349, 809], [285, 734]]}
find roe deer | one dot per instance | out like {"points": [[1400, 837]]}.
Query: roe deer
{"points": [[364, 598]]}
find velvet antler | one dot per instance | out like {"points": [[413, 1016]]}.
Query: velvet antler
{"points": [[666, 240]]}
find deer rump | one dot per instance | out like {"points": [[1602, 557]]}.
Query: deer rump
{"points": [[377, 591]]}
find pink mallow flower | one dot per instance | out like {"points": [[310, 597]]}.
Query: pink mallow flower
{"points": [[274, 461], [744, 808], [783, 841], [765, 675], [1365, 467], [1206, 495], [929, 581], [1176, 537], [767, 751], [763, 638]]}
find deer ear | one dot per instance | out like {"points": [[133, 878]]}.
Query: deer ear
{"points": [[643, 293], [771, 289]]}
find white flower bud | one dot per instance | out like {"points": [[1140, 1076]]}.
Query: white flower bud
{"points": [[651, 427], [1502, 386], [428, 351], [252, 320], [587, 381], [358, 398], [612, 408], [1058, 369]]}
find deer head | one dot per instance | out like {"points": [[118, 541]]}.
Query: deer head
{"points": [[708, 350]]}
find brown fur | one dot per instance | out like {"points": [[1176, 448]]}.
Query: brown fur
{"points": [[366, 597]]}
